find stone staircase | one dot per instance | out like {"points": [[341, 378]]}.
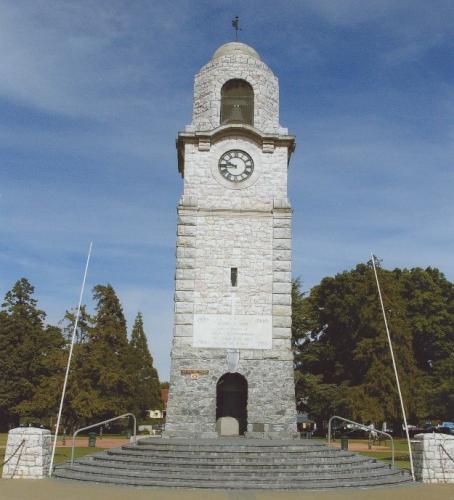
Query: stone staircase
{"points": [[233, 463]]}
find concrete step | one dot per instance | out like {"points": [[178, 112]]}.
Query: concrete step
{"points": [[230, 445], [264, 459], [347, 463], [257, 475], [232, 470], [233, 485], [232, 464], [211, 451]]}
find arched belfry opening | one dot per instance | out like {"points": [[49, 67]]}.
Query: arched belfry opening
{"points": [[231, 399], [237, 102]]}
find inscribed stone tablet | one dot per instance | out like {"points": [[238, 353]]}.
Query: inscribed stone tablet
{"points": [[232, 331]]}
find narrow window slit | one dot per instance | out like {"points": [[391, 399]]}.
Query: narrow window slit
{"points": [[234, 276]]}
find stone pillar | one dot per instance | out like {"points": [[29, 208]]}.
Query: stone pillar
{"points": [[284, 420], [32, 459], [433, 456], [185, 267]]}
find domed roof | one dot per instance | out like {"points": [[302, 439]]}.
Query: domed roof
{"points": [[235, 48]]}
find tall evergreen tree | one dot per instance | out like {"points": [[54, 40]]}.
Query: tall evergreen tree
{"points": [[84, 325], [81, 404], [29, 354], [106, 358], [144, 377]]}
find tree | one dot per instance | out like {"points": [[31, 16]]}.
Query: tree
{"points": [[42, 404], [30, 353], [342, 355], [144, 377], [84, 325], [430, 313], [81, 400], [105, 360]]}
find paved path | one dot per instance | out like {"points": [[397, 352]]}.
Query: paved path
{"points": [[45, 489], [100, 443]]}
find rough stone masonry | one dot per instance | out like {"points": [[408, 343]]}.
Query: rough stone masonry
{"points": [[225, 227], [28, 453], [434, 458]]}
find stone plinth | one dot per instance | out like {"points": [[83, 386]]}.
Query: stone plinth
{"points": [[228, 426], [433, 458], [32, 459]]}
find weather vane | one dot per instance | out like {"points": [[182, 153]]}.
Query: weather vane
{"points": [[236, 26]]}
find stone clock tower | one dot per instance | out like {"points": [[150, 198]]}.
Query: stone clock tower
{"points": [[231, 353]]}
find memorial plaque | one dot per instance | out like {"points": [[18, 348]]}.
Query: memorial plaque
{"points": [[232, 331], [192, 371]]}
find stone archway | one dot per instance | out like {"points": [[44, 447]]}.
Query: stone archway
{"points": [[231, 399]]}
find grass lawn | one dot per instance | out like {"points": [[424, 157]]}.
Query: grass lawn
{"points": [[402, 459], [62, 454]]}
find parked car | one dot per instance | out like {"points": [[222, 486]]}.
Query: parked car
{"points": [[443, 428], [446, 428]]}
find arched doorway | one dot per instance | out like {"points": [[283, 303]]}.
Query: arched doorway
{"points": [[231, 398]]}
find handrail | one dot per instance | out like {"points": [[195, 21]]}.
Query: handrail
{"points": [[12, 455], [102, 423], [446, 451], [362, 427]]}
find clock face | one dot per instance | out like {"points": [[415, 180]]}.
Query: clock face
{"points": [[236, 165]]}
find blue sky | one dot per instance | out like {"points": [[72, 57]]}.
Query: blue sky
{"points": [[93, 93]]}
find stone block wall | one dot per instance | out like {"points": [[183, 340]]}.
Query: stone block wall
{"points": [[203, 182], [210, 79], [192, 403], [264, 263], [433, 456], [32, 459], [232, 240]]}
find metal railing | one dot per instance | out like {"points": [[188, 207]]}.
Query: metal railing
{"points": [[102, 423], [446, 452], [363, 428], [14, 452]]}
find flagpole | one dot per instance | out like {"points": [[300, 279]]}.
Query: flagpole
{"points": [[73, 336], [395, 368]]}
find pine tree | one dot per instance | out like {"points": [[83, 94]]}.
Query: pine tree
{"points": [[105, 360], [82, 399], [29, 355], [144, 377]]}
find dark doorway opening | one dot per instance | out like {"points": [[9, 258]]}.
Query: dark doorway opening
{"points": [[231, 399]]}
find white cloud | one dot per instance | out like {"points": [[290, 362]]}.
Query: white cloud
{"points": [[99, 88], [83, 59], [364, 184]]}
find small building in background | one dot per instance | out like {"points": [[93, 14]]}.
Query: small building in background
{"points": [[160, 413]]}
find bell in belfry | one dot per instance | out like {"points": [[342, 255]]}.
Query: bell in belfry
{"points": [[237, 114]]}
